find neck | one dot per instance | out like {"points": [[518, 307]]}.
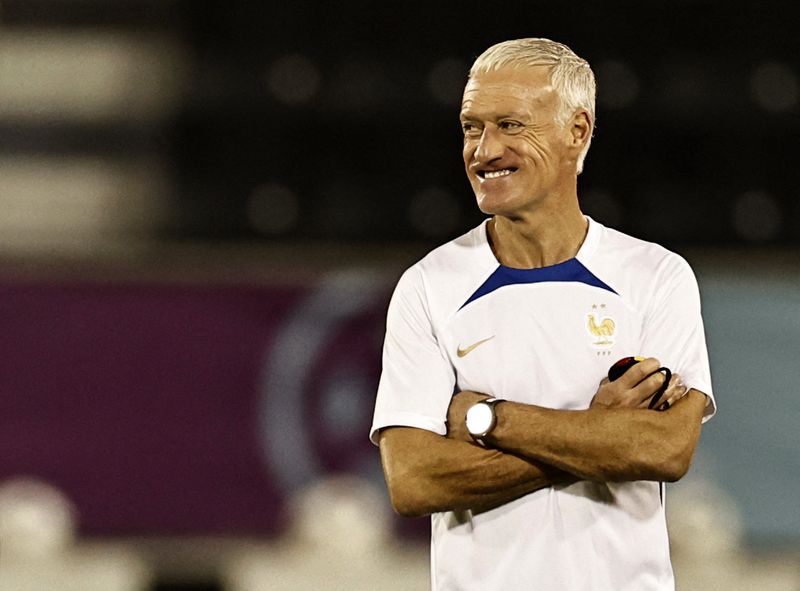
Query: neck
{"points": [[538, 239]]}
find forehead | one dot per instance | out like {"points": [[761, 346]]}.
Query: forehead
{"points": [[509, 89]]}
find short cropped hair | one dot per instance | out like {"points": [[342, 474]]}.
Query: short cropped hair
{"points": [[570, 75]]}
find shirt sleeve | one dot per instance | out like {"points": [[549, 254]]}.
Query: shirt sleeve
{"points": [[673, 328], [417, 380]]}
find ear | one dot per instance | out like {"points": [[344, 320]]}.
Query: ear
{"points": [[580, 129]]}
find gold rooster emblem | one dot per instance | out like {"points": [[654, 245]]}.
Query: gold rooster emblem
{"points": [[603, 331]]}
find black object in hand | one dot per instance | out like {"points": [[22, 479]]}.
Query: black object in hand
{"points": [[624, 364]]}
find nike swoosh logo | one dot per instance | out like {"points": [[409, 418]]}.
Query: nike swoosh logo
{"points": [[463, 352]]}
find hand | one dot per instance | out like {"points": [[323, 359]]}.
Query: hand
{"points": [[674, 392], [457, 413], [636, 387]]}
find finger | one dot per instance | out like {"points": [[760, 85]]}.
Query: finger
{"points": [[674, 395], [679, 391], [683, 385], [674, 392], [639, 372], [675, 384], [644, 390], [659, 394], [671, 393]]}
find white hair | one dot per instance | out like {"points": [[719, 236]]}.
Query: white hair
{"points": [[570, 75]]}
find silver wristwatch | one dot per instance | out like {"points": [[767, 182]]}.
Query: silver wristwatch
{"points": [[481, 419]]}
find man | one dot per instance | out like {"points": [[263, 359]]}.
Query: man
{"points": [[558, 486]]}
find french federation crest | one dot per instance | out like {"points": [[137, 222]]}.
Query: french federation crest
{"points": [[601, 328]]}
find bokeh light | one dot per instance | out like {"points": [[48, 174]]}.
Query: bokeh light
{"points": [[774, 86], [294, 79]]}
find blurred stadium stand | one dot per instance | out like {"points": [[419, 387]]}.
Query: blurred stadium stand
{"points": [[237, 122], [204, 208]]}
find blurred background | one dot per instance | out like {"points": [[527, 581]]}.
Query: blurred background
{"points": [[204, 207]]}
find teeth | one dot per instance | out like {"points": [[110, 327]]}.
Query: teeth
{"points": [[497, 173]]}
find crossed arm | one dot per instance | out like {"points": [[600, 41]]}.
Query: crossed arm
{"points": [[532, 447]]}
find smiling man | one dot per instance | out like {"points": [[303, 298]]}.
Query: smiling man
{"points": [[493, 414]]}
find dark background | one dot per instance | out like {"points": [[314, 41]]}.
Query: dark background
{"points": [[697, 114], [304, 139]]}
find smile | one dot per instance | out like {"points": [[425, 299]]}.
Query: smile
{"points": [[494, 174]]}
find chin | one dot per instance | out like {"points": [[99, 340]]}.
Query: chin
{"points": [[493, 205]]}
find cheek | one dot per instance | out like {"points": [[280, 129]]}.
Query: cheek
{"points": [[538, 148], [467, 153], [467, 156]]}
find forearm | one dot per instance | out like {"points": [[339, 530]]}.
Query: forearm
{"points": [[600, 444], [427, 473]]}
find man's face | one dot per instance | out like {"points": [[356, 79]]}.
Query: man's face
{"points": [[514, 151]]}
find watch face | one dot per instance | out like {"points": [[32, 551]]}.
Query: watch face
{"points": [[479, 418]]}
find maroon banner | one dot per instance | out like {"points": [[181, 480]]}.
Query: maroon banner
{"points": [[188, 409]]}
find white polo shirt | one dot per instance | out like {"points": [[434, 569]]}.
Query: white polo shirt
{"points": [[547, 337]]}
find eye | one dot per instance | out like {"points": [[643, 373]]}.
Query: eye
{"points": [[510, 126], [470, 130]]}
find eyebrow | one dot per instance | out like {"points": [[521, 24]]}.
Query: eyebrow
{"points": [[468, 116]]}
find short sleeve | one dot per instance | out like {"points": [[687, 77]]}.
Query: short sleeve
{"points": [[673, 328], [417, 379]]}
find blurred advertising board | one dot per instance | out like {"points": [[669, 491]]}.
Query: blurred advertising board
{"points": [[189, 409]]}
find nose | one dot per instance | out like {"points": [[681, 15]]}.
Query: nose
{"points": [[490, 146]]}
